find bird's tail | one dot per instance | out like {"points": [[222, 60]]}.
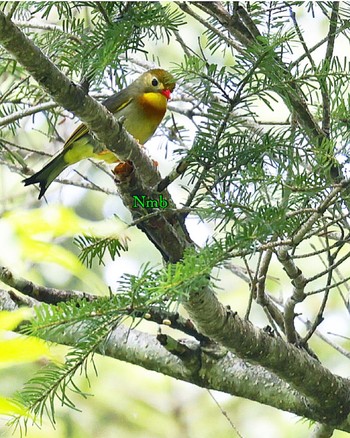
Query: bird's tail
{"points": [[47, 174]]}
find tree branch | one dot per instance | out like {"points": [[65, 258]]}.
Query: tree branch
{"points": [[241, 379], [43, 294], [330, 393], [26, 112]]}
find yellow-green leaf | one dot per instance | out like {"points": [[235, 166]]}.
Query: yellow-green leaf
{"points": [[22, 349], [10, 320], [10, 407], [50, 221]]}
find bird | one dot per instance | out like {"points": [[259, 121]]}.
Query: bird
{"points": [[141, 105]]}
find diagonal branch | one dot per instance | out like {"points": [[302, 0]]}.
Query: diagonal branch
{"points": [[326, 106], [329, 392]]}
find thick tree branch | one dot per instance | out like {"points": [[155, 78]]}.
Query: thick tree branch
{"points": [[329, 392], [247, 341], [204, 369]]}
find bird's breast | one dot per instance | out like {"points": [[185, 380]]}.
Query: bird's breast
{"points": [[154, 104], [147, 113]]}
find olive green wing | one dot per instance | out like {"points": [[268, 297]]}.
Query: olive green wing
{"points": [[114, 104], [78, 133], [119, 100]]}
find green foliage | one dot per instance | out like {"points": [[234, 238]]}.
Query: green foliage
{"points": [[95, 320], [55, 380], [250, 175], [95, 248], [95, 34], [17, 350]]}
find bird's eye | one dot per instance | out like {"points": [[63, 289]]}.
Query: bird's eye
{"points": [[155, 82]]}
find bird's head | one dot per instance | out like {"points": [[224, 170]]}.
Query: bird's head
{"points": [[156, 81]]}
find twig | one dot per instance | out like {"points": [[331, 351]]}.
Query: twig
{"points": [[7, 93], [301, 38], [326, 119], [264, 266], [179, 170], [298, 295], [319, 317], [27, 112], [333, 266], [345, 26], [224, 413], [253, 282], [185, 7], [165, 212], [100, 7], [40, 293], [182, 43]]}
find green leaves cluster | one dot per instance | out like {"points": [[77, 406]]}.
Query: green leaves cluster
{"points": [[251, 172], [92, 247], [94, 321], [54, 379]]}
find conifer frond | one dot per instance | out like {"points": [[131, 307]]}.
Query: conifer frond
{"points": [[56, 380], [95, 248]]}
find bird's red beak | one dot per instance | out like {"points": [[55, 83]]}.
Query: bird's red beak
{"points": [[166, 93]]}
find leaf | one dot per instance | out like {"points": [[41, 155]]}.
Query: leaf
{"points": [[52, 221], [23, 349], [11, 407], [45, 252], [92, 247], [37, 228], [10, 320]]}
